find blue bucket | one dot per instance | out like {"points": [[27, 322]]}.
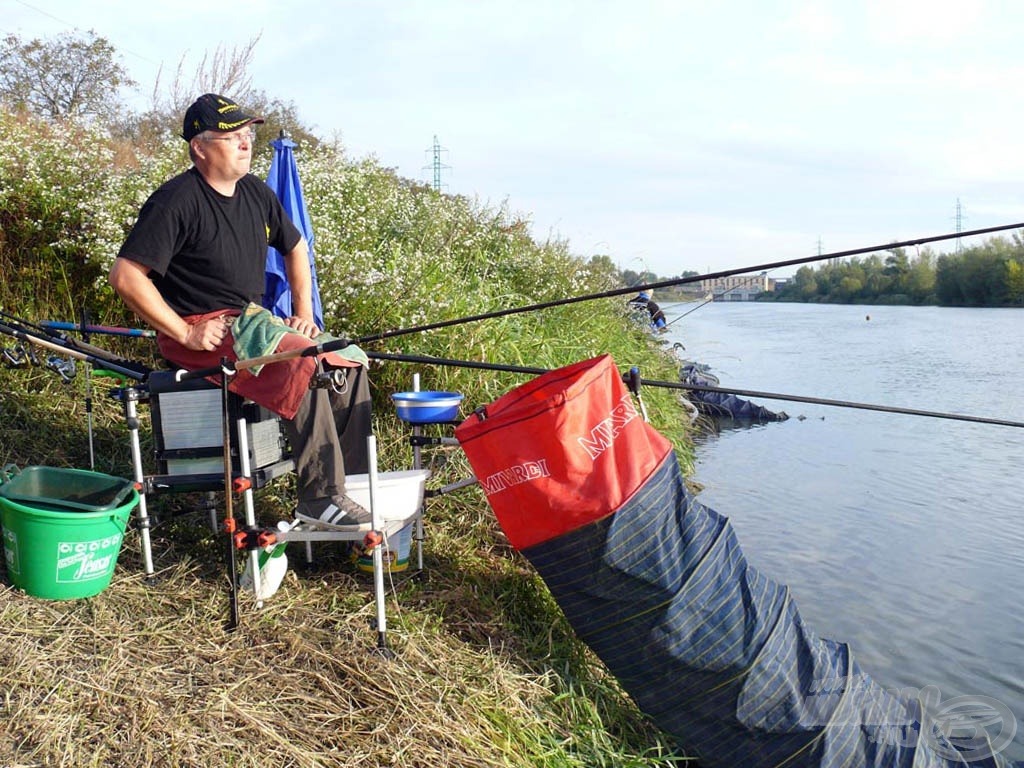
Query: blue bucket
{"points": [[427, 407]]}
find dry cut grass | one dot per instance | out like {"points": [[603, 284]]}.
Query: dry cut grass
{"points": [[146, 674], [486, 670]]}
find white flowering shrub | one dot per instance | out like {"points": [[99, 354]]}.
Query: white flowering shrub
{"points": [[66, 201], [391, 255]]}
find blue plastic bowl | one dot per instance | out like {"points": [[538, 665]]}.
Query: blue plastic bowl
{"points": [[427, 407]]}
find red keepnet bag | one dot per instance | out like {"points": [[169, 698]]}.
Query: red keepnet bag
{"points": [[561, 451]]}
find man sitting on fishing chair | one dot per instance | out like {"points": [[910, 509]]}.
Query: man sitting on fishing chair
{"points": [[195, 260], [643, 300]]}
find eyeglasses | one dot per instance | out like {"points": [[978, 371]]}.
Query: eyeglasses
{"points": [[246, 136]]}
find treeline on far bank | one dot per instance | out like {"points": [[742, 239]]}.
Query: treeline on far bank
{"points": [[987, 275]]}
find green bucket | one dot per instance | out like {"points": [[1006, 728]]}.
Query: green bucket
{"points": [[63, 529]]}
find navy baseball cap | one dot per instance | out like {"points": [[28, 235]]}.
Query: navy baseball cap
{"points": [[211, 112]]}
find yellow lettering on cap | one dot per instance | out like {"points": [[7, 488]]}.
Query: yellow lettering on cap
{"points": [[222, 126]]}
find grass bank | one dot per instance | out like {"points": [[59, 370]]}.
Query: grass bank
{"points": [[487, 672]]}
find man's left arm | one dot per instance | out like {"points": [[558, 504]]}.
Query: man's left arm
{"points": [[300, 280]]}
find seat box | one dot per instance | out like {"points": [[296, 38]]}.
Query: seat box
{"points": [[188, 428]]}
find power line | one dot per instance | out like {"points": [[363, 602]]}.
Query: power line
{"points": [[75, 27], [46, 13]]}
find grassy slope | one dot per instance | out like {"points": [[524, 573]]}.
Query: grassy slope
{"points": [[487, 671]]}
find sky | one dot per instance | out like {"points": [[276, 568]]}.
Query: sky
{"points": [[669, 135]]}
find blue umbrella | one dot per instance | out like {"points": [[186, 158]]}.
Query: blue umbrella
{"points": [[284, 180]]}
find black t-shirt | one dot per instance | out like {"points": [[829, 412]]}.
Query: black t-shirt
{"points": [[207, 251]]}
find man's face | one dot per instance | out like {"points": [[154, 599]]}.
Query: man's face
{"points": [[229, 155]]}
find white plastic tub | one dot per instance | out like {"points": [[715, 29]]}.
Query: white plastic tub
{"points": [[399, 494]]}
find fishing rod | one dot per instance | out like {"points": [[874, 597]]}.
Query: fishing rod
{"points": [[105, 356], [683, 280], [19, 357], [691, 311], [837, 403], [337, 344], [701, 388], [744, 284], [88, 395], [81, 345], [101, 364], [56, 346], [85, 329]]}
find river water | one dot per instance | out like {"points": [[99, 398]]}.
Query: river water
{"points": [[901, 535]]}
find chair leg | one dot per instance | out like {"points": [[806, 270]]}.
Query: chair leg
{"points": [[130, 396], [245, 469], [377, 555]]}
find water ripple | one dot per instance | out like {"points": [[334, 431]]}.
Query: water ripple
{"points": [[901, 535]]}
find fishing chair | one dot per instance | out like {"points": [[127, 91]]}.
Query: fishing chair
{"points": [[189, 444], [188, 430], [191, 419]]}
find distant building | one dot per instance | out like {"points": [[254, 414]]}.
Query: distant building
{"points": [[738, 287]]}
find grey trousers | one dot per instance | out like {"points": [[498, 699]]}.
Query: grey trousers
{"points": [[328, 436]]}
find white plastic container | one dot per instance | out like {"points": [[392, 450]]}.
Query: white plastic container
{"points": [[399, 494]]}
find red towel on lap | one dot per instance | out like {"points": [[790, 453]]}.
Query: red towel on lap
{"points": [[280, 386]]}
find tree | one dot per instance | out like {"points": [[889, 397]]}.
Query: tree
{"points": [[921, 278], [603, 266], [1015, 281], [897, 269], [805, 286], [850, 288], [947, 279], [629, 277], [225, 71], [876, 281], [69, 77]]}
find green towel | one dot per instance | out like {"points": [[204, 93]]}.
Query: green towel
{"points": [[257, 333]]}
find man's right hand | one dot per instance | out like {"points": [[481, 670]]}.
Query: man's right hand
{"points": [[207, 335]]}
